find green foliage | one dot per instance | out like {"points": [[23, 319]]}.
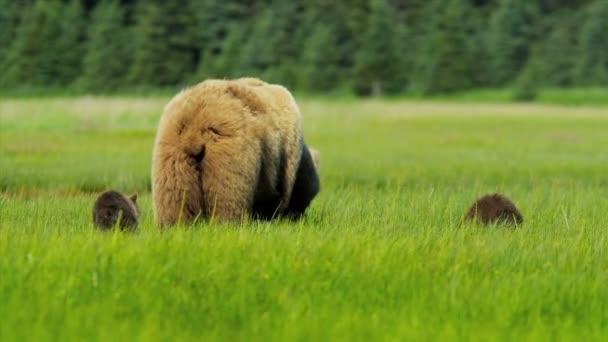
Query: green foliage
{"points": [[272, 49], [320, 61], [47, 48], [258, 51], [526, 86], [214, 19], [368, 46], [69, 47], [478, 47], [559, 52], [229, 59], [592, 66], [10, 18], [163, 38], [329, 46], [32, 57], [379, 66], [108, 57], [447, 63], [510, 35]]}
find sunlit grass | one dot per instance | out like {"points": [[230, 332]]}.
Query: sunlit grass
{"points": [[381, 254]]}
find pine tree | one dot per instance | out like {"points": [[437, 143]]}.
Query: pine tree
{"points": [[32, 58], [164, 43], [10, 18], [150, 49], [272, 49], [227, 63], [446, 62], [328, 45], [378, 67], [481, 71], [592, 66], [107, 58], [559, 51], [258, 52], [510, 36], [220, 27], [70, 45], [526, 85], [320, 69], [214, 20]]}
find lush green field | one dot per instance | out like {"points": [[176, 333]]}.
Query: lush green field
{"points": [[381, 253]]}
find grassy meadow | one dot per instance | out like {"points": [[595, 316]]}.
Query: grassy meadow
{"points": [[380, 255]]}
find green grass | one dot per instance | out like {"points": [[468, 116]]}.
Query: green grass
{"points": [[554, 96], [381, 253]]}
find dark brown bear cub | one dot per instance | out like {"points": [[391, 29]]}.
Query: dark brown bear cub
{"points": [[115, 209], [494, 208]]}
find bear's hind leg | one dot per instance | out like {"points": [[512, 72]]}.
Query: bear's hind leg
{"points": [[229, 179], [176, 187]]}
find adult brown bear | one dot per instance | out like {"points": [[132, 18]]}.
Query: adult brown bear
{"points": [[229, 148]]}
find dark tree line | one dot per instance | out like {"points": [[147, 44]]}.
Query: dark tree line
{"points": [[365, 46]]}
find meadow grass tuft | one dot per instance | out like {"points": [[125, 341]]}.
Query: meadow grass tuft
{"points": [[381, 254]]}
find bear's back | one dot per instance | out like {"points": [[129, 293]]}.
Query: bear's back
{"points": [[242, 104]]}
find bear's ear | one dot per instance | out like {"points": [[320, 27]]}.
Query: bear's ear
{"points": [[315, 157], [133, 197], [248, 97]]}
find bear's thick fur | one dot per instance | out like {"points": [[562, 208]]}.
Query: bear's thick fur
{"points": [[229, 148], [494, 208], [112, 209]]}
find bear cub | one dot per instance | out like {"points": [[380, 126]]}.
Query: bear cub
{"points": [[494, 208], [113, 209]]}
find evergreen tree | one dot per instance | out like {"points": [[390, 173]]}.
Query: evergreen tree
{"points": [[150, 49], [592, 66], [214, 19], [404, 59], [206, 68], [446, 62], [70, 45], [480, 53], [378, 67], [226, 64], [107, 58], [258, 52], [527, 83], [510, 37], [219, 37], [379, 46], [320, 62], [164, 48], [328, 47], [559, 52], [10, 17], [272, 50], [32, 58]]}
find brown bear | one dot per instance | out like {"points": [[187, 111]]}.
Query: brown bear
{"points": [[494, 208], [113, 209], [229, 148]]}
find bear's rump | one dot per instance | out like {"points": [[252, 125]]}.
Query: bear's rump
{"points": [[224, 148]]}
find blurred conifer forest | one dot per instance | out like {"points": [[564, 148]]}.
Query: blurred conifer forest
{"points": [[367, 47]]}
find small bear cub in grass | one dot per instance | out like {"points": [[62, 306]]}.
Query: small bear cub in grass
{"points": [[113, 208], [494, 208]]}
